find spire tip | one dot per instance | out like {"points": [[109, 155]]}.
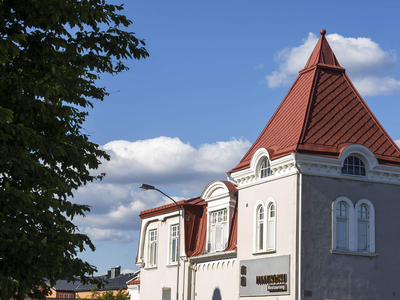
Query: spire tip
{"points": [[322, 32]]}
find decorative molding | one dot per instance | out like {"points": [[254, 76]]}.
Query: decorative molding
{"points": [[214, 256], [280, 167], [320, 166]]}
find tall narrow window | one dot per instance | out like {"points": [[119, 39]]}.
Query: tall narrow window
{"points": [[265, 168], [342, 226], [363, 228], [174, 243], [152, 257], [353, 166], [271, 226], [260, 228], [219, 230]]}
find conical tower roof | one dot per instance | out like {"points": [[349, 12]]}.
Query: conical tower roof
{"points": [[321, 114]]}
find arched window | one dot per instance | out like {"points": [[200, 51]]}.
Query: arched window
{"points": [[363, 228], [260, 228], [265, 168], [353, 165], [342, 226], [271, 226]]}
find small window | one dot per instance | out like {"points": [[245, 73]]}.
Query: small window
{"points": [[152, 254], [265, 168], [342, 226], [353, 166], [174, 243]]}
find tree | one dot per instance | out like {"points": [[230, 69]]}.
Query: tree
{"points": [[51, 54]]}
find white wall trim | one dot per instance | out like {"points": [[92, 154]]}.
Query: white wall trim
{"points": [[371, 221], [351, 234], [317, 165]]}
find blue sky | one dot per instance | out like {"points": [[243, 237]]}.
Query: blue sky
{"points": [[216, 73]]}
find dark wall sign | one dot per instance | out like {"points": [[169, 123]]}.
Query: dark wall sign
{"points": [[265, 276]]}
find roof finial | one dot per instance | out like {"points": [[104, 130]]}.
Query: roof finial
{"points": [[322, 32]]}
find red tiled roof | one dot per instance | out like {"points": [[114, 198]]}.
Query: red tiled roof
{"points": [[196, 234], [170, 207], [321, 114], [232, 242]]}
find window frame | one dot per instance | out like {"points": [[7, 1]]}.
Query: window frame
{"points": [[269, 218], [173, 239], [152, 255], [371, 224], [353, 226], [266, 222], [361, 166], [260, 234], [218, 221], [265, 168]]}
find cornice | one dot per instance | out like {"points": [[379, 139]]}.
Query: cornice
{"points": [[280, 167], [317, 166]]}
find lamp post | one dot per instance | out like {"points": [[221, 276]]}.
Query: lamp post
{"points": [[146, 187]]}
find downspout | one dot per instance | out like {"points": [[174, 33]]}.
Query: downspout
{"points": [[192, 280], [299, 224]]}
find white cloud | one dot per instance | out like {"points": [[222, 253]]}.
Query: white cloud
{"points": [[165, 162], [373, 86], [169, 161], [397, 142], [100, 236], [259, 66], [366, 63]]}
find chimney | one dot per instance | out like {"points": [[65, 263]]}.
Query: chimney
{"points": [[115, 271]]}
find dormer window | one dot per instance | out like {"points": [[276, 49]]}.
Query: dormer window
{"points": [[265, 168], [353, 166]]}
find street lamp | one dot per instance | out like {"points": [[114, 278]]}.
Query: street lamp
{"points": [[146, 187]]}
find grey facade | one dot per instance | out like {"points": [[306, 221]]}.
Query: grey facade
{"points": [[348, 276]]}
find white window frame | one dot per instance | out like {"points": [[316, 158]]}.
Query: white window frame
{"points": [[371, 223], [271, 220], [361, 166], [216, 224], [152, 258], [265, 168], [266, 247], [260, 223], [350, 224], [353, 225], [173, 239]]}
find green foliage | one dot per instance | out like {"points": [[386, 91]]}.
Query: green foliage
{"points": [[107, 295], [51, 53]]}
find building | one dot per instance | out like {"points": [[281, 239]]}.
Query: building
{"points": [[112, 281], [64, 289], [311, 211]]}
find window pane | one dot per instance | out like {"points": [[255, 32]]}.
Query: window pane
{"points": [[341, 234], [362, 236], [271, 234], [261, 237], [353, 165], [261, 213]]}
